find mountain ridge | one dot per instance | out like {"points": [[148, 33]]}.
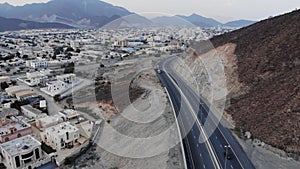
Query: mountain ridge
{"points": [[11, 24], [198, 20], [201, 21], [72, 12], [96, 13], [239, 23]]}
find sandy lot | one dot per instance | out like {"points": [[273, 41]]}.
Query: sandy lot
{"points": [[142, 135]]}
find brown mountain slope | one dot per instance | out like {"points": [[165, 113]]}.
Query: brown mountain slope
{"points": [[268, 63]]}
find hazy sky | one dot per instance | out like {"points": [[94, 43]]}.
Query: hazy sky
{"points": [[222, 10]]}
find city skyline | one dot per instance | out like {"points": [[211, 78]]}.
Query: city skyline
{"points": [[222, 10]]}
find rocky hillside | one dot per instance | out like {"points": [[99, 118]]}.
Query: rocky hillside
{"points": [[262, 68], [268, 65]]}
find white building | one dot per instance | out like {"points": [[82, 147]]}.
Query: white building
{"points": [[61, 85], [121, 43], [55, 86], [48, 121], [67, 78], [68, 114], [4, 79], [135, 42], [32, 112], [61, 136], [114, 54], [38, 64], [35, 78], [24, 152], [75, 44]]}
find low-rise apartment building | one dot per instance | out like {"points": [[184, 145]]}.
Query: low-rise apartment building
{"points": [[61, 136], [32, 112], [37, 64], [5, 113], [67, 78], [13, 130], [69, 114], [24, 152], [35, 78], [55, 86]]}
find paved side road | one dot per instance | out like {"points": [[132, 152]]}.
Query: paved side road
{"points": [[53, 107]]}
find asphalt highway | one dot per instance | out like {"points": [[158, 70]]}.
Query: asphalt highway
{"points": [[221, 150]]}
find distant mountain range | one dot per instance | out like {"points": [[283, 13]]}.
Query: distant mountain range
{"points": [[239, 23], [170, 21], [73, 12], [200, 20], [197, 20], [96, 13], [18, 24]]}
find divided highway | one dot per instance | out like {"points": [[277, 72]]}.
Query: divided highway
{"points": [[221, 150]]}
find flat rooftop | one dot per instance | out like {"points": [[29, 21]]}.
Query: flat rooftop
{"points": [[7, 111], [17, 125], [28, 107], [49, 120], [65, 75], [15, 89], [34, 74], [20, 145], [70, 113], [25, 93], [61, 128]]}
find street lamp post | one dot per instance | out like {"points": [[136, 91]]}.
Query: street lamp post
{"points": [[201, 111], [226, 153]]}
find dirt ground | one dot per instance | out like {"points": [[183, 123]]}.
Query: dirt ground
{"points": [[149, 116], [265, 159]]}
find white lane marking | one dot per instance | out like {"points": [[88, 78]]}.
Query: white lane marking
{"points": [[213, 122], [178, 129], [231, 166], [208, 143]]}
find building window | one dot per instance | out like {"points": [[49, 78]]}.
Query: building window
{"points": [[28, 155], [6, 139], [17, 159], [19, 135], [27, 161], [37, 153], [67, 134]]}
